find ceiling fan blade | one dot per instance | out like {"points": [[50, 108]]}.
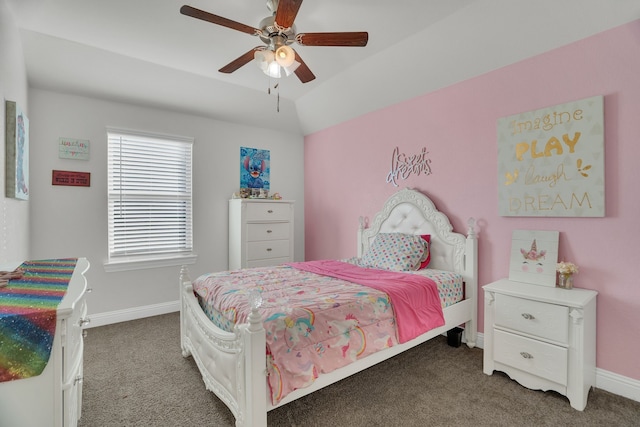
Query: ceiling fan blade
{"points": [[240, 61], [287, 12], [333, 39], [303, 72], [219, 20]]}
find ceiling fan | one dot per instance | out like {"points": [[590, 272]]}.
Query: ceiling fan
{"points": [[278, 32]]}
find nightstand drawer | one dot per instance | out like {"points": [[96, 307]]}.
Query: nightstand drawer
{"points": [[535, 357], [548, 321], [267, 231], [268, 211], [267, 249]]}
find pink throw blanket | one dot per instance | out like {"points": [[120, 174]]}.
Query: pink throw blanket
{"points": [[414, 298]]}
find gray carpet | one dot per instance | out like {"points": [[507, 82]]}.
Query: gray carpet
{"points": [[135, 375]]}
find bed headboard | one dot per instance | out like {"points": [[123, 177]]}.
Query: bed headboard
{"points": [[411, 212]]}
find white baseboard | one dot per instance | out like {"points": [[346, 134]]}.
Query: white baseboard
{"points": [[102, 319], [618, 384], [605, 380]]}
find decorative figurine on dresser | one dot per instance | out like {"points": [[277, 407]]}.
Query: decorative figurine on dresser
{"points": [[539, 334], [260, 232], [42, 314]]}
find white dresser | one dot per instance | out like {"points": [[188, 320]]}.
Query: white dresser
{"points": [[542, 337], [53, 398], [260, 232]]}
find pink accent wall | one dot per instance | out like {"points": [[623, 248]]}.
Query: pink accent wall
{"points": [[346, 168]]}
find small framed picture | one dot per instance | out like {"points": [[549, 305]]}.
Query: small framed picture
{"points": [[534, 255]]}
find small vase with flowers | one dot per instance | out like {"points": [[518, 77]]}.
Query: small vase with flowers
{"points": [[566, 270]]}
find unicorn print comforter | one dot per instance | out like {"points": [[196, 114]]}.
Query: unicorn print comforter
{"points": [[316, 323]]}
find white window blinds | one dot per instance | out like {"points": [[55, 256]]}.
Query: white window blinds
{"points": [[149, 186]]}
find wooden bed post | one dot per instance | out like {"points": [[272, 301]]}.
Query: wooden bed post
{"points": [[255, 371], [471, 269]]}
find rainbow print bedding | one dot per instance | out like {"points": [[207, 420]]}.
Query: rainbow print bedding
{"points": [[316, 323], [28, 308]]}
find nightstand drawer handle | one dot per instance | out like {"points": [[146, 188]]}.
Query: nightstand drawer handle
{"points": [[269, 249], [269, 231], [270, 211], [528, 316], [526, 355]]}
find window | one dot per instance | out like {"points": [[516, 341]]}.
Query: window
{"points": [[149, 191]]}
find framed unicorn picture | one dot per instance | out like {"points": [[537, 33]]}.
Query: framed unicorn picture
{"points": [[534, 255]]}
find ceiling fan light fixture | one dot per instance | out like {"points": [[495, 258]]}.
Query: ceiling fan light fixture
{"points": [[291, 68], [263, 57], [285, 56], [273, 70]]}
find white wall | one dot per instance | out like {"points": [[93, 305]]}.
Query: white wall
{"points": [[72, 221], [14, 233]]}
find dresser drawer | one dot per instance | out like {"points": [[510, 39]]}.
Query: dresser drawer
{"points": [[268, 231], [268, 211], [535, 357], [548, 321], [267, 249]]}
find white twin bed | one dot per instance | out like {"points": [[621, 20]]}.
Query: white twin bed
{"points": [[239, 363]]}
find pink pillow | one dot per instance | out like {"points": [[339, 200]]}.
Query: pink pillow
{"points": [[427, 251]]}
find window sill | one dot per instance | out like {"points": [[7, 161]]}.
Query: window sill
{"points": [[128, 264]]}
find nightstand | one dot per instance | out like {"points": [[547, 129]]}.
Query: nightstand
{"points": [[542, 337]]}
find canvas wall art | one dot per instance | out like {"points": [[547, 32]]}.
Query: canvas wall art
{"points": [[17, 152], [534, 255], [551, 161], [255, 168], [74, 149]]}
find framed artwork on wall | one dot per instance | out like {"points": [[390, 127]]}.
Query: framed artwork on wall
{"points": [[551, 161], [255, 170], [534, 255], [17, 152]]}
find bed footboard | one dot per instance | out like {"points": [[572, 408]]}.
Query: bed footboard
{"points": [[232, 365]]}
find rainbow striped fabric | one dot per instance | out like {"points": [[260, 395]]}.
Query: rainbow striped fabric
{"points": [[28, 308]]}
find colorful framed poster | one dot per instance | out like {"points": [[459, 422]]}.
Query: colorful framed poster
{"points": [[255, 169], [17, 152], [551, 161], [534, 255]]}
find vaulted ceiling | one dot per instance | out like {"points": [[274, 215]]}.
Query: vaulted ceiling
{"points": [[145, 52]]}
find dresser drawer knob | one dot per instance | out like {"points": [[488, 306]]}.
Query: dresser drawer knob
{"points": [[270, 211], [269, 249], [528, 316], [526, 355], [269, 231]]}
